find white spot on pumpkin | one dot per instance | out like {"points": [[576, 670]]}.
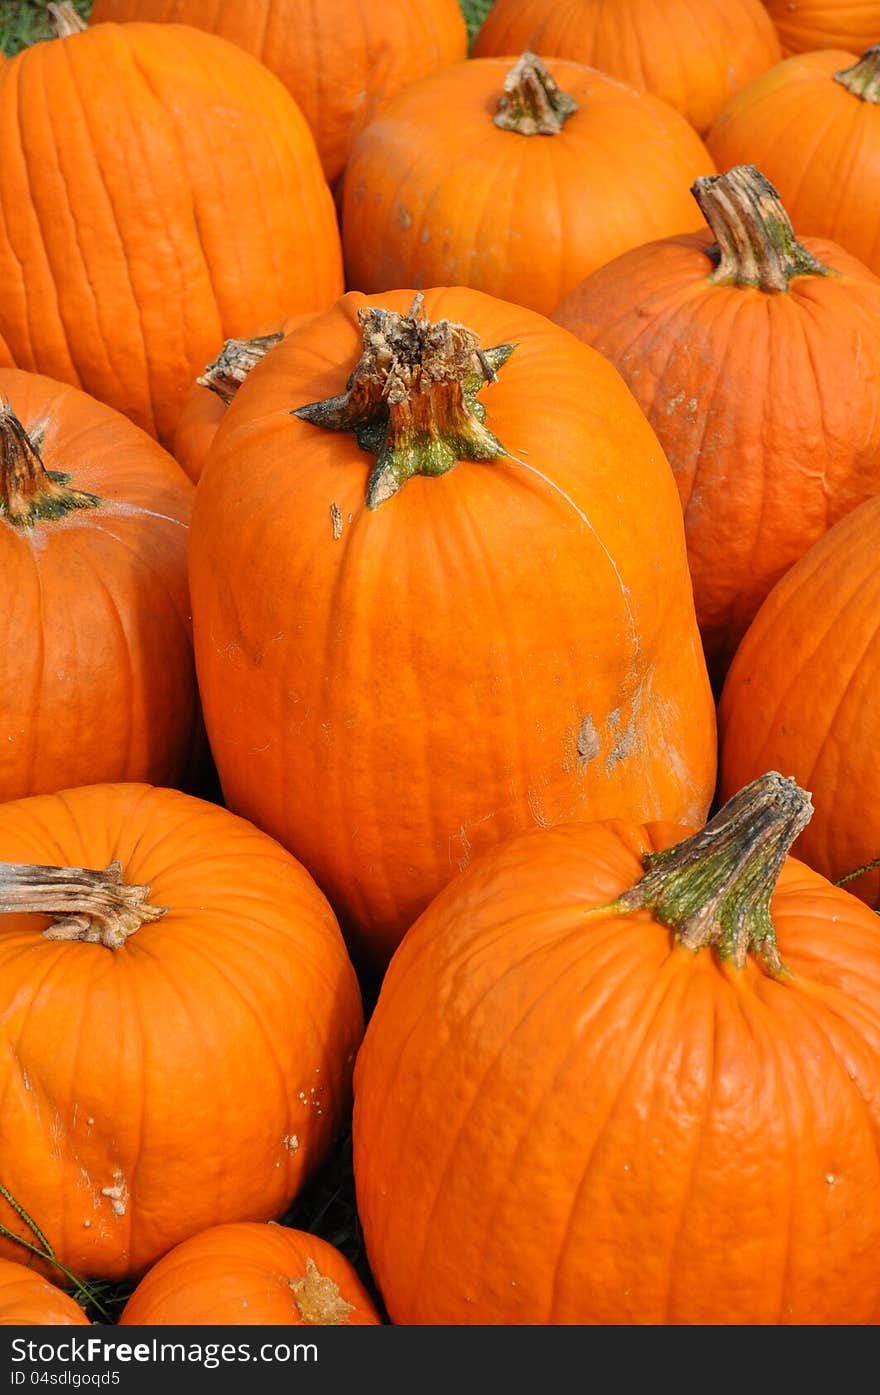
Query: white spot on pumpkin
{"points": [[290, 1141], [118, 1194]]}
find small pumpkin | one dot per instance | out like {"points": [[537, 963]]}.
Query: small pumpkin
{"points": [[342, 60], [803, 690], [694, 54], [806, 25], [248, 1274], [445, 602], [693, 323], [97, 679], [27, 1298], [812, 125], [621, 1075], [160, 192], [179, 1021], [515, 180]]}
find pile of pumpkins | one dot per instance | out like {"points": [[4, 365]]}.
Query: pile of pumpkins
{"points": [[439, 519]]}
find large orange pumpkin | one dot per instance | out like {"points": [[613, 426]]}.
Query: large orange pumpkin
{"points": [[471, 616], [251, 1275], [27, 1298], [803, 692], [159, 192], [594, 1094], [97, 680], [517, 180], [812, 125], [178, 1029], [693, 324], [805, 25], [695, 54], [343, 60]]}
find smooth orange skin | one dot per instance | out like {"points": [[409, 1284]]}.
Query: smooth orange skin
{"points": [[561, 1119], [97, 679], [342, 60], [805, 25], [390, 701], [694, 54], [203, 411], [436, 194], [816, 142], [240, 1275], [803, 694], [159, 192], [26, 1298], [204, 1067], [766, 404]]}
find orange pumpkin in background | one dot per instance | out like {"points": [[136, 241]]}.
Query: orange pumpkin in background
{"points": [[609, 1081], [160, 192], [254, 1275], [342, 60], [97, 679], [26, 1298], [756, 358], [803, 693], [812, 126], [805, 25], [695, 54], [427, 614], [516, 180], [179, 1021]]}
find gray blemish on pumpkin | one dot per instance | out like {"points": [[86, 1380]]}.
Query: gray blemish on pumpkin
{"points": [[336, 520], [587, 742], [117, 1195], [621, 748]]}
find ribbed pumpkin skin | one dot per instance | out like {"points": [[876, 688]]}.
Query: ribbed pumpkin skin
{"points": [[802, 693], [462, 661], [435, 194], [97, 680], [695, 54], [203, 1068], [342, 60], [805, 25], [763, 474], [816, 142], [203, 412], [159, 192], [27, 1298], [241, 1275], [561, 1120]]}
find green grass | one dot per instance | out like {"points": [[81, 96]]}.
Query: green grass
{"points": [[24, 22]]}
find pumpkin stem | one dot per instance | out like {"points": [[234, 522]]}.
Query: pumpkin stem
{"points": [[64, 20], [411, 400], [714, 888], [318, 1299], [531, 103], [234, 362], [863, 78], [95, 907], [28, 491], [755, 243]]}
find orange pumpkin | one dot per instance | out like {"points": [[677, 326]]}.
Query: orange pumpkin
{"points": [[812, 125], [804, 25], [482, 623], [178, 1029], [27, 1298], [517, 181], [695, 54], [212, 392], [251, 1275], [593, 1093], [97, 680], [693, 324], [159, 192], [343, 60], [804, 693]]}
